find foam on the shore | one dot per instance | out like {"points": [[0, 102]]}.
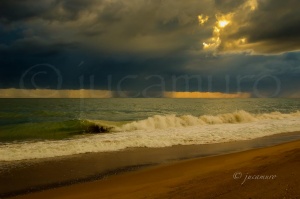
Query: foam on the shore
{"points": [[158, 132]]}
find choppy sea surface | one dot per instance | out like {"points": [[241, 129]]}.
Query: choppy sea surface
{"points": [[42, 128]]}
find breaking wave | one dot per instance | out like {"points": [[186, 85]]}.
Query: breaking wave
{"points": [[173, 121], [157, 132]]}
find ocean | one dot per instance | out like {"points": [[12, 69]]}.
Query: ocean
{"points": [[46, 128]]}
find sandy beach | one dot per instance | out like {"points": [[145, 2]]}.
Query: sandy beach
{"points": [[149, 99], [271, 172]]}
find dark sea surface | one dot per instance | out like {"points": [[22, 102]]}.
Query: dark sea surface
{"points": [[37, 128]]}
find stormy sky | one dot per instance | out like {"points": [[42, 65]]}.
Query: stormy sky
{"points": [[151, 48]]}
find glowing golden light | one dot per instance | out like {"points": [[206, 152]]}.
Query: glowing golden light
{"points": [[205, 45], [227, 24], [223, 23], [242, 41], [202, 19], [252, 4], [211, 95], [216, 30], [215, 41]]}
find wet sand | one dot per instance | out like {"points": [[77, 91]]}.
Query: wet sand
{"points": [[208, 177]]}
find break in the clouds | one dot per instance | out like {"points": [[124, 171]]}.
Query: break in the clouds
{"points": [[150, 47], [261, 26]]}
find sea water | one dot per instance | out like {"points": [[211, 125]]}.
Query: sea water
{"points": [[44, 128]]}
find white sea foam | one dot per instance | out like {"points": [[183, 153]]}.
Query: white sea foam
{"points": [[170, 121], [161, 131]]}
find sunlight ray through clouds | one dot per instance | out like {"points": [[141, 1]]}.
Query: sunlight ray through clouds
{"points": [[225, 23]]}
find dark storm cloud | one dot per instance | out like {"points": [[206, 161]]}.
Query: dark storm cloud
{"points": [[53, 10], [228, 5], [16, 59], [274, 20], [36, 47], [263, 76], [273, 27], [144, 26], [150, 42], [15, 10]]}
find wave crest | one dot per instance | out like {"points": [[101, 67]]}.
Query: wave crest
{"points": [[239, 125], [173, 121]]}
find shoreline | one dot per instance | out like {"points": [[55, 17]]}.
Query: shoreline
{"points": [[209, 177], [81, 169]]}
